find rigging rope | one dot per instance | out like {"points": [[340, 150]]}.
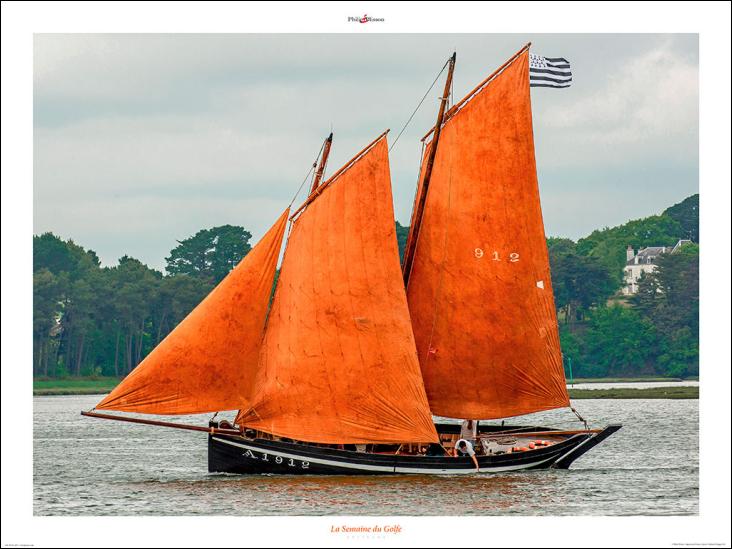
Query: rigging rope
{"points": [[419, 105], [315, 164], [579, 416]]}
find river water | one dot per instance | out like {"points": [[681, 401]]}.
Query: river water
{"points": [[86, 466], [633, 385]]}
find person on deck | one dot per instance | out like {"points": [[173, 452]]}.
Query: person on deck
{"points": [[465, 448], [469, 429]]}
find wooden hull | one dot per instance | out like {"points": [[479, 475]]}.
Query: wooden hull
{"points": [[240, 455]]}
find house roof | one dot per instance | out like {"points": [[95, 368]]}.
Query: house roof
{"points": [[680, 243], [647, 256]]}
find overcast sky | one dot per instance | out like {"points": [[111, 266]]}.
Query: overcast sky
{"points": [[142, 140]]}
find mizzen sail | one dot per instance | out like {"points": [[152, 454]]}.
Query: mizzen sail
{"points": [[338, 361], [208, 362], [479, 289]]}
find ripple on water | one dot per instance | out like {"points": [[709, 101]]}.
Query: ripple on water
{"points": [[84, 466]]}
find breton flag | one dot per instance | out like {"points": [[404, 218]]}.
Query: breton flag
{"points": [[549, 72]]}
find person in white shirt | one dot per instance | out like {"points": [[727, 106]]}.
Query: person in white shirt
{"points": [[469, 429], [465, 448]]}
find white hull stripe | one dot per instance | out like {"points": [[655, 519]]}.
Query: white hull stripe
{"points": [[384, 468], [472, 469]]}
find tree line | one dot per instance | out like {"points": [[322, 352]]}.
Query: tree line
{"points": [[654, 332], [90, 320]]}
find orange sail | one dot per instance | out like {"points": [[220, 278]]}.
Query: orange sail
{"points": [[338, 362], [479, 290], [208, 362]]}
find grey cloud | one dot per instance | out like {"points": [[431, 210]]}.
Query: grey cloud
{"points": [[143, 139]]}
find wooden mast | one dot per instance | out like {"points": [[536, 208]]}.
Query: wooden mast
{"points": [[460, 104], [422, 198], [323, 160], [336, 175]]}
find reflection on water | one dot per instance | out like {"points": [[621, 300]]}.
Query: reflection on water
{"points": [[265, 495], [84, 466]]}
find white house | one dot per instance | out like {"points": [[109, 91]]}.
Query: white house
{"points": [[643, 262]]}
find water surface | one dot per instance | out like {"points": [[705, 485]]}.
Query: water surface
{"points": [[633, 385], [86, 466]]}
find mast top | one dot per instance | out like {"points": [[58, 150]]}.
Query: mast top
{"points": [[421, 198], [459, 105], [323, 160], [337, 174]]}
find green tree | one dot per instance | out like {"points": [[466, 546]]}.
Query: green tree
{"points": [[89, 320], [572, 344], [73, 267], [135, 292], [609, 244], [669, 298], [686, 214], [579, 282], [47, 297], [679, 353], [210, 254], [77, 321], [618, 342], [57, 255], [178, 295], [559, 245], [402, 233]]}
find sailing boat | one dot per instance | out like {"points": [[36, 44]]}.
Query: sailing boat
{"points": [[343, 373]]}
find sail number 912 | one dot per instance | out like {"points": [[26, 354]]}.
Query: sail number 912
{"points": [[513, 257]]}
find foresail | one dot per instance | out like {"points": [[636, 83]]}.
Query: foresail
{"points": [[207, 363], [338, 362], [479, 290]]}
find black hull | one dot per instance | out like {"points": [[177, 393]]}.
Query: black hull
{"points": [[240, 455]]}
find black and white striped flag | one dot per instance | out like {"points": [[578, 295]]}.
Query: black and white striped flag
{"points": [[549, 72]]}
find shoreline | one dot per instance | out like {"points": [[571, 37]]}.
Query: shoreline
{"points": [[651, 379], [672, 393], [668, 392], [74, 386]]}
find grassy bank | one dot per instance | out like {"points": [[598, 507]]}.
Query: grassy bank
{"points": [[655, 392], [74, 386]]}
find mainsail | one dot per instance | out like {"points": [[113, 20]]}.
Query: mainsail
{"points": [[338, 361], [207, 363], [479, 288]]}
